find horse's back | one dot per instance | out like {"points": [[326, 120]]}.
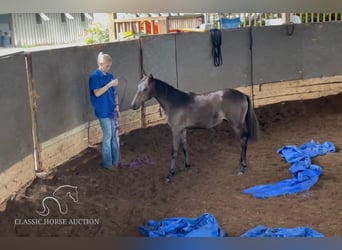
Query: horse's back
{"points": [[207, 110], [233, 95]]}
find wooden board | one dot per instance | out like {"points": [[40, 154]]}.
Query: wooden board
{"points": [[63, 147], [271, 93], [154, 115], [16, 177]]}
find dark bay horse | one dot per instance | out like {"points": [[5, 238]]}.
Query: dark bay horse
{"points": [[189, 110]]}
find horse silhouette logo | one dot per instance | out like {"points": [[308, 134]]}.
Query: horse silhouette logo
{"points": [[64, 190]]}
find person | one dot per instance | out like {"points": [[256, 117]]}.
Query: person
{"points": [[103, 96]]}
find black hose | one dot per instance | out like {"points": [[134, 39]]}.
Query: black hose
{"points": [[290, 29], [216, 42], [251, 63]]}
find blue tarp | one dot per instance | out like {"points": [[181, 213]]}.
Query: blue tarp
{"points": [[203, 226], [304, 174], [262, 231], [207, 226]]}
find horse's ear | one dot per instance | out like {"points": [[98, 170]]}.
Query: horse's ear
{"points": [[151, 76]]}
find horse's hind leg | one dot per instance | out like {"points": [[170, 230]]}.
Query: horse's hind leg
{"points": [[185, 150], [242, 134], [175, 144], [243, 161]]}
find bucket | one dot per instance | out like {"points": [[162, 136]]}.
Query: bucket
{"points": [[230, 23]]}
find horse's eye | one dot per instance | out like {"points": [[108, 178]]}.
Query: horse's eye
{"points": [[145, 89]]}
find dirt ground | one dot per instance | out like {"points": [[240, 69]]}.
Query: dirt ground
{"points": [[116, 203]]}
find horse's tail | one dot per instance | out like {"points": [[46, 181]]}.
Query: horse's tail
{"points": [[252, 122]]}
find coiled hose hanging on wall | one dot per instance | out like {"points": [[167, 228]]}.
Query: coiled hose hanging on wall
{"points": [[216, 41]]}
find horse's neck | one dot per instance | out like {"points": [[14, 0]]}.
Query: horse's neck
{"points": [[163, 104], [166, 95]]}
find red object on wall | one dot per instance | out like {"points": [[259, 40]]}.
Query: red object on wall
{"points": [[148, 27]]}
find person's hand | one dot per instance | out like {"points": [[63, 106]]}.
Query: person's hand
{"points": [[114, 83]]}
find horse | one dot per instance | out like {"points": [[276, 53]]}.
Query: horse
{"points": [[187, 110]]}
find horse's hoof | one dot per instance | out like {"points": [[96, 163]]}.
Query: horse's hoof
{"points": [[186, 169], [167, 179], [240, 173]]}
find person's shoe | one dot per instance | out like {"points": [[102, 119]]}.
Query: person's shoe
{"points": [[117, 165], [113, 168]]}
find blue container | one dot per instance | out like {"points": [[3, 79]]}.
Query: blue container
{"points": [[230, 23]]}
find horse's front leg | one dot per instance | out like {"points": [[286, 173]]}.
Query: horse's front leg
{"points": [[175, 144], [185, 150]]}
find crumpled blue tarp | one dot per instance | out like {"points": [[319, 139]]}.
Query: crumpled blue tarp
{"points": [[304, 174], [263, 231], [207, 226], [203, 226]]}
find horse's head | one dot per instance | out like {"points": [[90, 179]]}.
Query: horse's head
{"points": [[144, 92]]}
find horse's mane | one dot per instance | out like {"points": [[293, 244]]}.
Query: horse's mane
{"points": [[174, 95]]}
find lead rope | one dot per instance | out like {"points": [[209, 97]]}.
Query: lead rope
{"points": [[251, 64], [138, 162], [122, 79]]}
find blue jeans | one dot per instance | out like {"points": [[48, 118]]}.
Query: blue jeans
{"points": [[110, 143]]}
